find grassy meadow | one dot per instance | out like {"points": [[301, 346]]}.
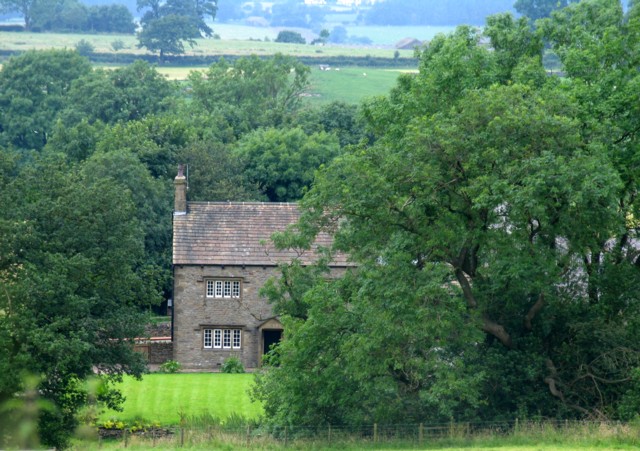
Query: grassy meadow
{"points": [[205, 47], [162, 398], [351, 84], [346, 84]]}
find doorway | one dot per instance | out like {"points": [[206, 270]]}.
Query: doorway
{"points": [[270, 337]]}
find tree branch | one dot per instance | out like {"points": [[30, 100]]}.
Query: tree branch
{"points": [[466, 288], [533, 311], [498, 331]]}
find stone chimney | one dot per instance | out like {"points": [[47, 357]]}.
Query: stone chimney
{"points": [[180, 184]]}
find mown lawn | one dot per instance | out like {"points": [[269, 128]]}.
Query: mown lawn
{"points": [[163, 397]]}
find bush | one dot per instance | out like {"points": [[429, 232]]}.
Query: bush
{"points": [[291, 37], [232, 365], [84, 47], [170, 366], [118, 44]]}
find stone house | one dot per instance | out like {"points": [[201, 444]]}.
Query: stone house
{"points": [[222, 256]]}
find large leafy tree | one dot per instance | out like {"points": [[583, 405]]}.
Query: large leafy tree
{"points": [[72, 246], [23, 7], [282, 162], [33, 90], [120, 95], [496, 205], [538, 9], [167, 25], [251, 93]]}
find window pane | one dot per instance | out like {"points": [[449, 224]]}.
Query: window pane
{"points": [[236, 338], [236, 289], [218, 288], [227, 288], [226, 340], [217, 338], [207, 338], [209, 288]]}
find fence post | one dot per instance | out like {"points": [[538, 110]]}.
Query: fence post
{"points": [[420, 433], [153, 437], [248, 435], [375, 432], [329, 435], [181, 437], [126, 438], [286, 436]]}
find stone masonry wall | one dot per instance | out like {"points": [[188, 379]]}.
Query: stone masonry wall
{"points": [[160, 352], [193, 312]]}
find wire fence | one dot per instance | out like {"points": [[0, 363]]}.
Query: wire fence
{"points": [[372, 434]]}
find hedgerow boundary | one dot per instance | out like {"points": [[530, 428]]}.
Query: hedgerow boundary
{"points": [[206, 60], [413, 435]]}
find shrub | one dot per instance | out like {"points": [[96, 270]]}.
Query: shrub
{"points": [[170, 366], [291, 37], [232, 365], [84, 47], [118, 44]]}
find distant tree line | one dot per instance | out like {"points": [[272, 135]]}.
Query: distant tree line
{"points": [[71, 16]]}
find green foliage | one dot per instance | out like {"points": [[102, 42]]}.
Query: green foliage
{"points": [[117, 44], [167, 35], [170, 366], [292, 37], [232, 365], [538, 9], [489, 218], [123, 94], [251, 93], [167, 25], [71, 288], [283, 162], [84, 47], [33, 89]]}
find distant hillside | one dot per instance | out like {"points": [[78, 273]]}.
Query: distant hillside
{"points": [[435, 12]]}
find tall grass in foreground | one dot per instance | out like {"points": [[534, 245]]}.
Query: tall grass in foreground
{"points": [[207, 432]]}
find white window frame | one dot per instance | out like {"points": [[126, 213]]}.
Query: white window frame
{"points": [[222, 338], [210, 288], [236, 341], [207, 339], [217, 338], [223, 289], [226, 338]]}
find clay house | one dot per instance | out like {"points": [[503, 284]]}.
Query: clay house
{"points": [[222, 256]]}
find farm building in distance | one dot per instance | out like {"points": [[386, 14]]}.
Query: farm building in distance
{"points": [[222, 256]]}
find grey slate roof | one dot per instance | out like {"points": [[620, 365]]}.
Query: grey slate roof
{"points": [[233, 233]]}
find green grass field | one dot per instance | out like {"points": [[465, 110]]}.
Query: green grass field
{"points": [[350, 84], [102, 44], [162, 397], [347, 84]]}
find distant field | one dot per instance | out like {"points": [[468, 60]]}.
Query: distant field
{"points": [[347, 84], [225, 46], [161, 397], [351, 84]]}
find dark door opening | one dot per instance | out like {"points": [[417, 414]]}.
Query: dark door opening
{"points": [[270, 337]]}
